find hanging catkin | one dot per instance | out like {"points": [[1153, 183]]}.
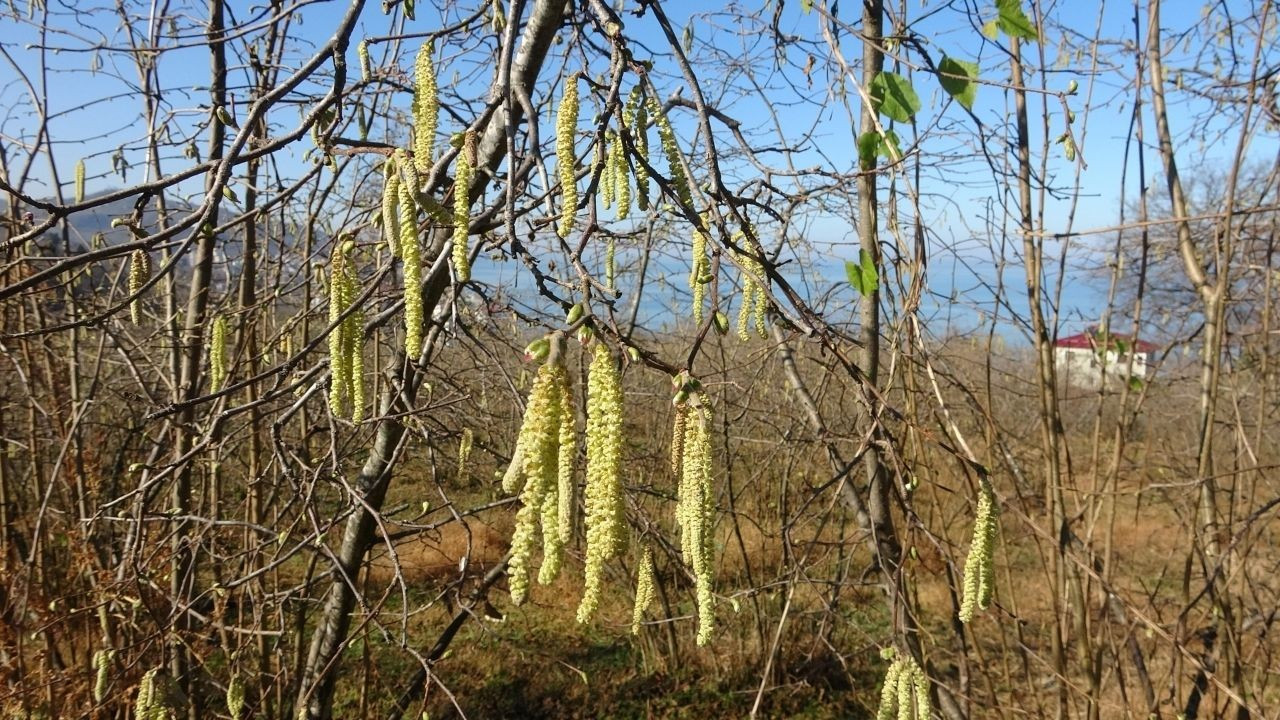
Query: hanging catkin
{"points": [[426, 109], [139, 274], [636, 118], [621, 177], [566, 160], [538, 452], [464, 173], [695, 501], [346, 340], [605, 517], [979, 566], [391, 206], [218, 354], [699, 270], [905, 694], [646, 585], [411, 256], [675, 166]]}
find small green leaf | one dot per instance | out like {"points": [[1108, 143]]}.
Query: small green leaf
{"points": [[862, 275], [806, 6], [957, 78], [408, 9], [1013, 21], [894, 97], [868, 149], [1135, 384], [991, 30]]}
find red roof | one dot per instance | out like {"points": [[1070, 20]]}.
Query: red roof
{"points": [[1092, 339]]}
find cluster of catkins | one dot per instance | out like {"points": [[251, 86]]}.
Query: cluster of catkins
{"points": [[157, 697], [346, 340], [979, 567], [905, 695], [543, 459], [695, 496]]}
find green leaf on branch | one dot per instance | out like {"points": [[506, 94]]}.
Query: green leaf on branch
{"points": [[872, 146], [958, 79], [862, 275], [1013, 21], [894, 97]]}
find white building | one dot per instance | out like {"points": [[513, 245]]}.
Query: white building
{"points": [[1094, 358]]}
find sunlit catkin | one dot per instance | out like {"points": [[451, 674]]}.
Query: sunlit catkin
{"points": [[621, 177], [636, 118], [218, 354], [905, 694], [426, 108], [80, 180], [754, 299], [604, 160], [699, 271], [366, 67], [979, 566], [411, 256], [464, 451], [557, 506], [695, 508], [675, 166], [391, 206], [464, 173], [606, 514], [346, 341], [538, 452], [139, 274], [646, 586], [566, 160]]}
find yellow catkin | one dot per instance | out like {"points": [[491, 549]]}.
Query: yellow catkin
{"points": [[80, 180], [979, 566], [646, 586], [391, 206], [635, 117], [557, 504], [155, 697], [695, 506], [675, 167], [366, 67], [346, 341], [411, 256], [754, 299], [464, 173], [606, 513], [611, 264], [699, 272], [679, 420], [538, 449], [139, 274], [604, 160], [218, 354], [464, 451], [101, 673], [566, 160], [905, 694], [426, 108], [621, 177], [235, 697]]}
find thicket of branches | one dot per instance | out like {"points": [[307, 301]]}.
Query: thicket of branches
{"points": [[241, 376]]}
